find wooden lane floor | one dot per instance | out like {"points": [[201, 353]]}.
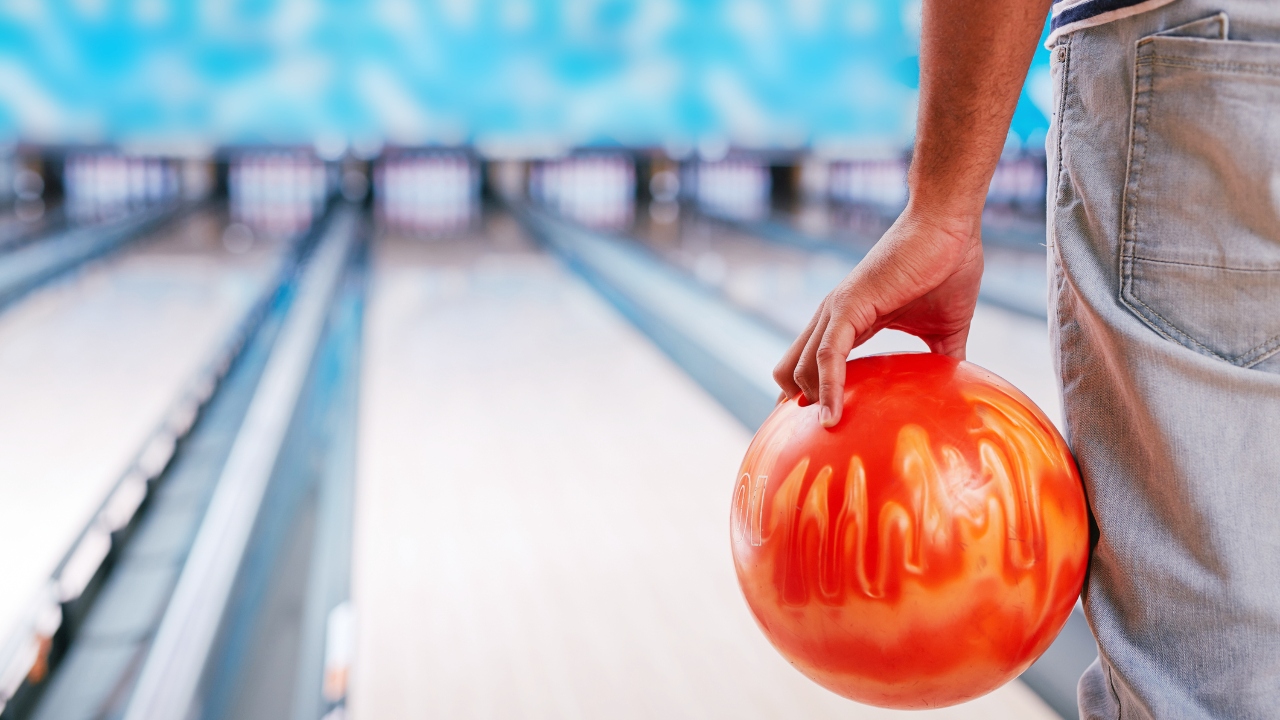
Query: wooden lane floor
{"points": [[542, 507], [785, 284], [88, 367]]}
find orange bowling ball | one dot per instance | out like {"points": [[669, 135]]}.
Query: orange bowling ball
{"points": [[923, 551]]}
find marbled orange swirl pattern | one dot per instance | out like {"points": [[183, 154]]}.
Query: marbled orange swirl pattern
{"points": [[924, 551]]}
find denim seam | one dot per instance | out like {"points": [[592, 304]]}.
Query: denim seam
{"points": [[1128, 221], [1173, 333], [1207, 266], [1136, 151], [1111, 685], [1259, 353], [1062, 102], [1227, 67], [1065, 73], [1247, 359]]}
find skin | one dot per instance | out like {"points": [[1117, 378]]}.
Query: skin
{"points": [[922, 277]]}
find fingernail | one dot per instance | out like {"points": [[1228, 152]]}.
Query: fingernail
{"points": [[824, 416]]}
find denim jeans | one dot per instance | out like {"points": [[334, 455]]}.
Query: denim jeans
{"points": [[1164, 217]]}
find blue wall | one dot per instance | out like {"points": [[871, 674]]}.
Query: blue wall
{"points": [[754, 72]]}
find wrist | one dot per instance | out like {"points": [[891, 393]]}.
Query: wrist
{"points": [[960, 220], [948, 198]]}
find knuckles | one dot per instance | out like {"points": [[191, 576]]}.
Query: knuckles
{"points": [[803, 376], [782, 374], [827, 354]]}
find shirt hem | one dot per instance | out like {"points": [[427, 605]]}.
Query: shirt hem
{"points": [[1102, 19]]}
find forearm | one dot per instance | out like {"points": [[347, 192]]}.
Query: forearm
{"points": [[974, 56]]}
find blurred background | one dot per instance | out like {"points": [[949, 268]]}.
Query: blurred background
{"points": [[395, 358]]}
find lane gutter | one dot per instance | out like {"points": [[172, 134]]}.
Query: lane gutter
{"points": [[168, 684], [1002, 286], [41, 260]]}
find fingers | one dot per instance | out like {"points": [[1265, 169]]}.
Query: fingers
{"points": [[920, 278], [784, 372], [832, 353], [806, 374], [817, 359]]}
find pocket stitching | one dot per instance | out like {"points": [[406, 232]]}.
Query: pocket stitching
{"points": [[1259, 353], [1171, 330], [1063, 49], [1247, 359], [1142, 89], [1210, 266], [1128, 238], [1229, 67]]}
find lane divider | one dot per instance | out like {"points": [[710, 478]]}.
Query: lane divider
{"points": [[170, 676], [328, 625]]}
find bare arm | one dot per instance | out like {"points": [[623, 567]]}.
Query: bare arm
{"points": [[922, 277], [974, 56]]}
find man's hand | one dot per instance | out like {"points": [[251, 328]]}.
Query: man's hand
{"points": [[922, 278], [923, 275]]}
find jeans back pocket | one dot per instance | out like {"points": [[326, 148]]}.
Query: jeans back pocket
{"points": [[1200, 234]]}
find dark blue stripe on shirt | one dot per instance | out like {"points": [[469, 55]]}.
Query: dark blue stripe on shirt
{"points": [[1090, 9]]}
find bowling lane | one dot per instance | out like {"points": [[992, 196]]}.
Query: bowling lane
{"points": [[784, 284], [88, 367], [541, 512]]}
